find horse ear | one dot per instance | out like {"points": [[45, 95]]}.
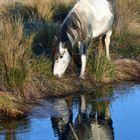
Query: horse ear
{"points": [[53, 48], [55, 39]]}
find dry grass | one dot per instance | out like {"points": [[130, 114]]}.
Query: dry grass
{"points": [[128, 16], [10, 106], [14, 52], [44, 9], [127, 69], [126, 39]]}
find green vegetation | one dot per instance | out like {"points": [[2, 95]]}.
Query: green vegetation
{"points": [[42, 66], [14, 52], [127, 30], [101, 68]]}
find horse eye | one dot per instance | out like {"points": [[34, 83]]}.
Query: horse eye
{"points": [[61, 56]]}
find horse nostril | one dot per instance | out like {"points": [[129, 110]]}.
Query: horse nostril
{"points": [[58, 75], [55, 75]]}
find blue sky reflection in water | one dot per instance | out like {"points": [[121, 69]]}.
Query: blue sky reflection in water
{"points": [[109, 113], [125, 114]]}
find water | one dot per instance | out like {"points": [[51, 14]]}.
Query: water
{"points": [[106, 114]]}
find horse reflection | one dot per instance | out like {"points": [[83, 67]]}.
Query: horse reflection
{"points": [[92, 121]]}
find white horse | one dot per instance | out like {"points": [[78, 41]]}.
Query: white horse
{"points": [[88, 19]]}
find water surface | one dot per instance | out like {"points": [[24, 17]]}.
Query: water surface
{"points": [[106, 114]]}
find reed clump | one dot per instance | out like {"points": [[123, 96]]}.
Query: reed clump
{"points": [[127, 29], [101, 69], [10, 106], [128, 17], [15, 52]]}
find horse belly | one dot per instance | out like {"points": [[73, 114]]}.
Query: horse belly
{"points": [[101, 27], [102, 17]]}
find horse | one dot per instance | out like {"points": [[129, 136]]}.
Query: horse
{"points": [[87, 20]]}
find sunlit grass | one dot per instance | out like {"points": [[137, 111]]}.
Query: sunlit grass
{"points": [[128, 16], [11, 106], [14, 51], [44, 9], [100, 68]]}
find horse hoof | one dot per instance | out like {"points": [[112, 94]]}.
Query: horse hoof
{"points": [[82, 77], [108, 57]]}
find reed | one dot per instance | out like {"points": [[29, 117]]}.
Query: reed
{"points": [[14, 52], [100, 68]]}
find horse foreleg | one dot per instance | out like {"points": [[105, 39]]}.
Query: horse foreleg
{"points": [[83, 67], [83, 60], [107, 42]]}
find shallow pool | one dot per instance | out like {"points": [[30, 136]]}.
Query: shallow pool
{"points": [[106, 114]]}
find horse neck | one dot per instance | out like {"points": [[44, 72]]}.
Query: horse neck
{"points": [[64, 38]]}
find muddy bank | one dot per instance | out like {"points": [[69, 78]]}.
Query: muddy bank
{"points": [[14, 106]]}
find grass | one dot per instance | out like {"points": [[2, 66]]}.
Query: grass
{"points": [[128, 16], [10, 106], [127, 70], [18, 64], [14, 52], [126, 35], [131, 51], [44, 9], [42, 66], [100, 67]]}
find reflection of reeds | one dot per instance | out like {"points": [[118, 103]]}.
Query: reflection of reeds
{"points": [[100, 101]]}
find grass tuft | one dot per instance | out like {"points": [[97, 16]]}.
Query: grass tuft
{"points": [[100, 68], [10, 106], [42, 66], [14, 51]]}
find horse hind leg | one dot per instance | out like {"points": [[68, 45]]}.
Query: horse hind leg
{"points": [[107, 43], [100, 46]]}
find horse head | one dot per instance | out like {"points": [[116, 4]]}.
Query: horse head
{"points": [[62, 58]]}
